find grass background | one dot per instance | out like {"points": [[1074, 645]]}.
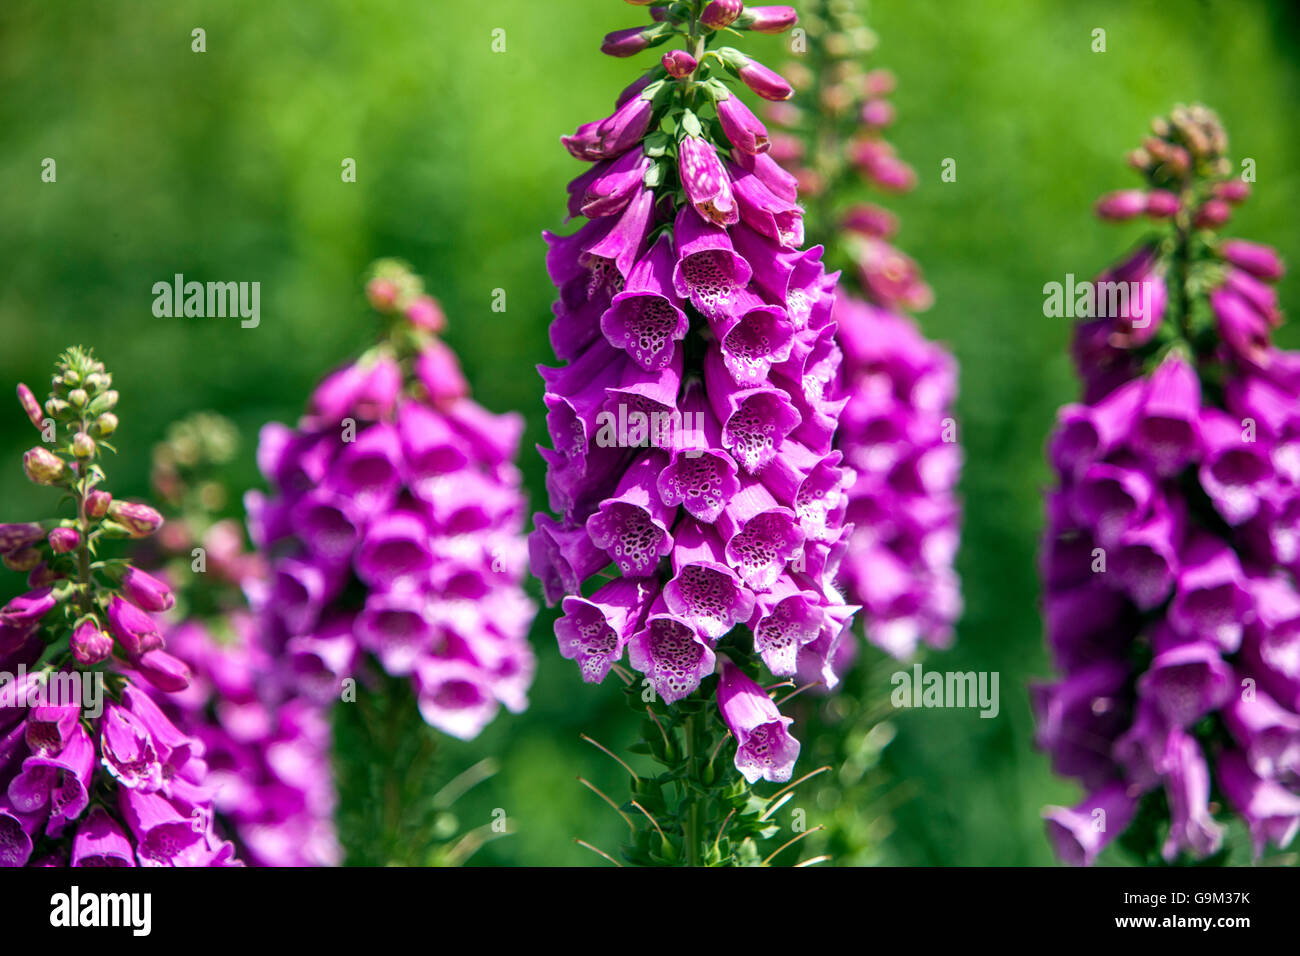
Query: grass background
{"points": [[225, 165]]}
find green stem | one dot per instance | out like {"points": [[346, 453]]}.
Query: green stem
{"points": [[691, 825]]}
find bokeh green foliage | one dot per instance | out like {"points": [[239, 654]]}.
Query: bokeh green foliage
{"points": [[225, 165]]}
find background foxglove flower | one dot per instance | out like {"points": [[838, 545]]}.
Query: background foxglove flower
{"points": [[92, 771], [1168, 561]]}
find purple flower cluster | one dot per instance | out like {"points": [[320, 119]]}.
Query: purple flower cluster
{"points": [[1171, 554], [267, 748], [692, 465], [394, 528], [896, 433], [92, 773]]}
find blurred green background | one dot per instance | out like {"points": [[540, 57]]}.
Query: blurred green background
{"points": [[225, 165]]}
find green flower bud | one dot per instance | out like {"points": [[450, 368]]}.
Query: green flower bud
{"points": [[78, 397], [106, 424], [43, 466], [83, 446]]}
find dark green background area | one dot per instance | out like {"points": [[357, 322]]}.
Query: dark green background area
{"points": [[225, 165]]}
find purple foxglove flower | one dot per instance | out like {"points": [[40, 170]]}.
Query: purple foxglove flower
{"points": [[632, 525], [1211, 599], [629, 42], [764, 747], [1271, 810], [1079, 834], [298, 591], [745, 131], [705, 181], [146, 592], [1259, 260], [57, 781], [163, 671], [100, 841], [785, 619], [769, 19], [764, 211], [1080, 717], [612, 136], [709, 271], [1166, 431], [1236, 474], [139, 519], [162, 833], [815, 483], [783, 185], [705, 592], [368, 470], [754, 420], [394, 552], [1084, 623], [1188, 787], [679, 64], [764, 82], [133, 629], [396, 627], [761, 536], [453, 697], [17, 537], [645, 319], [753, 336], [1244, 330], [562, 558], [609, 186], [1142, 750], [1111, 499], [1267, 733], [1146, 560], [1187, 681], [438, 371], [594, 630], [327, 524], [670, 653], [28, 608], [49, 726], [16, 831]]}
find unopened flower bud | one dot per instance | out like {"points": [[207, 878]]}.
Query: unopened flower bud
{"points": [[97, 503], [1214, 213], [764, 82], [1121, 205], [679, 63], [721, 13], [382, 294], [43, 576], [90, 644], [21, 561], [64, 540], [43, 466], [878, 83], [30, 405], [78, 397], [1233, 191], [425, 313], [83, 446], [146, 592], [769, 19], [106, 424], [1161, 204], [137, 518], [877, 113], [628, 42], [55, 407]]}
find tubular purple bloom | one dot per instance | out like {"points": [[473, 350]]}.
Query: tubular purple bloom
{"points": [[594, 631], [644, 319], [705, 591], [705, 181], [612, 136], [1270, 809], [745, 131], [1080, 834], [100, 841], [709, 271], [26, 609], [632, 526], [146, 592], [670, 653], [764, 748], [1165, 432]]}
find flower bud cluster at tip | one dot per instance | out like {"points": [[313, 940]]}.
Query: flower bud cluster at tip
{"points": [[1170, 560], [687, 302], [393, 529], [113, 785], [897, 431]]}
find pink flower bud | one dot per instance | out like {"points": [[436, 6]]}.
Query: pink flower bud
{"points": [[1161, 204], [15, 537], [382, 294], [878, 83], [146, 592], [1214, 213], [1259, 260], [764, 82], [679, 63], [22, 561], [877, 113], [425, 313], [871, 221], [743, 129], [43, 466], [28, 608], [1121, 205], [133, 629], [137, 518], [770, 19], [786, 150], [30, 405], [440, 374], [1233, 191], [97, 503], [64, 540], [721, 13], [627, 42], [90, 645]]}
